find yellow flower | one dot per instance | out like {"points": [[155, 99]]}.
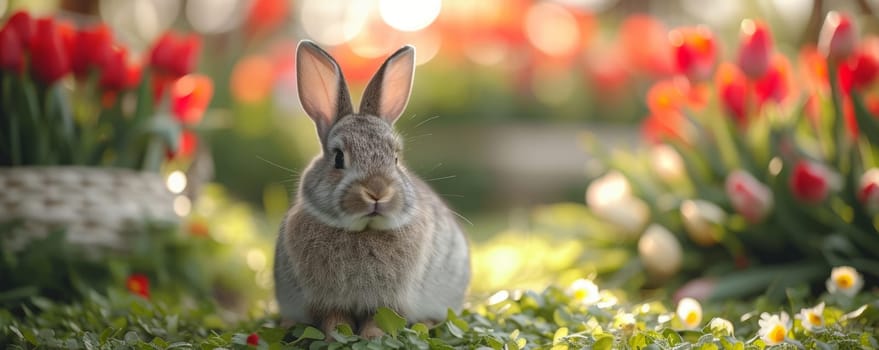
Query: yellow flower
{"points": [[584, 292], [845, 280], [812, 318], [689, 312], [774, 328], [721, 326]]}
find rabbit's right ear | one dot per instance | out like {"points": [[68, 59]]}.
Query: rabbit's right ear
{"points": [[322, 89]]}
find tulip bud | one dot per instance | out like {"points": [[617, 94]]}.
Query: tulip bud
{"points": [[755, 48], [610, 198], [190, 96], [11, 50], [93, 49], [812, 182], [750, 198], [838, 37], [703, 221], [113, 72], [175, 54], [732, 89], [775, 85], [868, 191], [695, 51], [24, 26], [660, 252], [862, 68], [49, 59]]}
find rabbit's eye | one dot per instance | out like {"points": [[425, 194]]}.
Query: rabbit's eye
{"points": [[340, 159]]}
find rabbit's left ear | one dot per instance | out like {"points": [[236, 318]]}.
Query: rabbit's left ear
{"points": [[388, 92]]}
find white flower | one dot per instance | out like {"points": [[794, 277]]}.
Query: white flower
{"points": [[689, 312], [610, 198], [584, 291], [661, 253], [774, 328], [703, 221], [721, 326], [666, 162], [845, 280], [750, 198], [812, 318]]}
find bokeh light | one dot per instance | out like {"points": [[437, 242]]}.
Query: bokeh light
{"points": [[334, 22], [409, 15], [552, 29], [252, 79], [214, 16]]}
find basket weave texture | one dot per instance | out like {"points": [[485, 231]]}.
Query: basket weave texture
{"points": [[95, 207]]}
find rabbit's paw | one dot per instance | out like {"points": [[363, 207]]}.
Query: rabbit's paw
{"points": [[370, 330]]}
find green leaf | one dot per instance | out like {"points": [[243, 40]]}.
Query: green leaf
{"points": [[604, 342], [389, 321], [311, 333]]}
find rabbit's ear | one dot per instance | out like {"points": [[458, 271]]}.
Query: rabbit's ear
{"points": [[388, 92], [322, 89]]}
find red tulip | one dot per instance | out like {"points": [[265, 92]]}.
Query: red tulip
{"points": [[266, 15], [862, 68], [750, 198], [138, 284], [253, 339], [732, 89], [190, 96], [24, 26], [114, 75], [93, 49], [695, 51], [133, 75], [659, 127], [11, 50], [849, 118], [49, 59], [868, 191], [186, 146], [755, 48], [667, 95], [175, 54], [775, 85], [838, 37], [811, 182], [646, 44]]}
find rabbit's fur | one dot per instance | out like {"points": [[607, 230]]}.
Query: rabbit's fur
{"points": [[370, 234]]}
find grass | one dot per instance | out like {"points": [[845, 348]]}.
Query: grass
{"points": [[554, 318]]}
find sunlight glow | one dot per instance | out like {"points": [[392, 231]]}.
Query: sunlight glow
{"points": [[498, 297], [552, 29], [176, 182], [409, 15], [213, 16], [182, 205], [334, 22], [256, 259]]}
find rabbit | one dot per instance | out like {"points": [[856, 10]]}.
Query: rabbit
{"points": [[364, 231]]}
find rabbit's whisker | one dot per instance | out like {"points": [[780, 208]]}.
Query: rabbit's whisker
{"points": [[442, 178], [279, 166], [461, 216], [425, 121]]}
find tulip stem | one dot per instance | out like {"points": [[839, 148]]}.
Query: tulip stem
{"points": [[839, 120]]}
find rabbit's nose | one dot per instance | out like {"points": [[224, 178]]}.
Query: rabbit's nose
{"points": [[376, 190]]}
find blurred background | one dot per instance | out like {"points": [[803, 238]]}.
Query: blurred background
{"points": [[505, 92], [502, 88]]}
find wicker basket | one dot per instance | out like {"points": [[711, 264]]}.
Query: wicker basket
{"points": [[95, 207]]}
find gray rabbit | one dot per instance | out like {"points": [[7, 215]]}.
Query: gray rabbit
{"points": [[364, 232]]}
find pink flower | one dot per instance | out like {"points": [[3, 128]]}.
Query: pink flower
{"points": [[812, 182], [755, 48], [868, 191], [838, 38], [750, 198]]}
